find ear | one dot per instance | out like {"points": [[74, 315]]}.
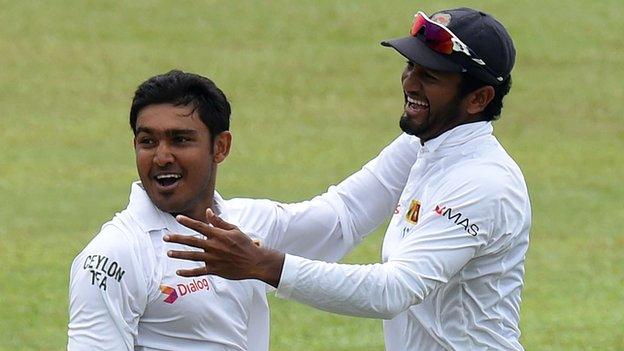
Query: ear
{"points": [[478, 100], [221, 146]]}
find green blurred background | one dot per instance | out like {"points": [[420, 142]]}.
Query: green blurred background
{"points": [[314, 97]]}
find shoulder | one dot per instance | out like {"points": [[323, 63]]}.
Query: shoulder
{"points": [[116, 237], [256, 217], [116, 247], [488, 185], [490, 173], [245, 206], [402, 150], [406, 140], [115, 257]]}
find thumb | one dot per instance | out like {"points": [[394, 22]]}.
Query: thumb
{"points": [[217, 222]]}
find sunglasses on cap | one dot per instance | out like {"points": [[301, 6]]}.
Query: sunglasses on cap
{"points": [[441, 40]]}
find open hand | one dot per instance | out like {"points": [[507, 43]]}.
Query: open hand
{"points": [[226, 252]]}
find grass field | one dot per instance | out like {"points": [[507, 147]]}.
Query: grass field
{"points": [[314, 96]]}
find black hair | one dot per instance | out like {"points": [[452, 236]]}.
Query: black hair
{"points": [[182, 89], [493, 110]]}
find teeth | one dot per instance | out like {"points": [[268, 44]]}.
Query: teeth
{"points": [[417, 102], [165, 176]]}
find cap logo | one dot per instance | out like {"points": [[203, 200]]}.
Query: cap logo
{"points": [[442, 18]]}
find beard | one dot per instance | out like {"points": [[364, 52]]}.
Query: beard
{"points": [[406, 126], [436, 123]]}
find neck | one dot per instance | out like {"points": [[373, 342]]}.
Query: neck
{"points": [[198, 213], [197, 210], [451, 125]]}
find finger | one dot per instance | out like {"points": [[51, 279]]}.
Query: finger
{"points": [[186, 240], [197, 226], [199, 256], [195, 272], [218, 221]]}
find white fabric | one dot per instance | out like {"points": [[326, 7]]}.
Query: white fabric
{"points": [[117, 282], [451, 277]]}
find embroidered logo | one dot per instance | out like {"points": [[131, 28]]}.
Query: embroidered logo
{"points": [[413, 212]]}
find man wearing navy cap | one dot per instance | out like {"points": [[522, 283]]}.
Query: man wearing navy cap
{"points": [[453, 254]]}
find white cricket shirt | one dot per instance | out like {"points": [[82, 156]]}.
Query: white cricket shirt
{"points": [[124, 293], [453, 255]]}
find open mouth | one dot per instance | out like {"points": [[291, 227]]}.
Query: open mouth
{"points": [[168, 180], [415, 105]]}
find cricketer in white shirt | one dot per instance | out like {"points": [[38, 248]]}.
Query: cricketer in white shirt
{"points": [[125, 294], [453, 254]]}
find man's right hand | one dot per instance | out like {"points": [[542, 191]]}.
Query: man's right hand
{"points": [[226, 252]]}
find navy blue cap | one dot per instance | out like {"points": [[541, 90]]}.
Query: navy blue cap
{"points": [[485, 36]]}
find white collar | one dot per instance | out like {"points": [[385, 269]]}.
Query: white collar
{"points": [[458, 136], [149, 217]]}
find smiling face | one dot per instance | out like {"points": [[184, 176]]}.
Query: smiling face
{"points": [[176, 158], [432, 103]]}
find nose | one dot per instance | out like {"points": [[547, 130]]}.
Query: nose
{"points": [[163, 155]]}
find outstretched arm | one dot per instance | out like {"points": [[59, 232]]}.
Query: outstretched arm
{"points": [[429, 255], [329, 225], [374, 291]]}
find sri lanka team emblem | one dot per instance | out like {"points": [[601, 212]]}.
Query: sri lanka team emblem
{"points": [[413, 212]]}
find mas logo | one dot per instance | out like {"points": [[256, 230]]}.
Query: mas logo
{"points": [[457, 218], [182, 289], [413, 212]]}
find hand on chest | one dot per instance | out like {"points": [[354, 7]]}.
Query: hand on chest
{"points": [[200, 299]]}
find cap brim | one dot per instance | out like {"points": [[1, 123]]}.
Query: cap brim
{"points": [[415, 50]]}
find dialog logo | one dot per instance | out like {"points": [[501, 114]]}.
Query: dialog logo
{"points": [[183, 289], [171, 293]]}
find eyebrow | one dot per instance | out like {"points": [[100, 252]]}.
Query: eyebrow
{"points": [[168, 132]]}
